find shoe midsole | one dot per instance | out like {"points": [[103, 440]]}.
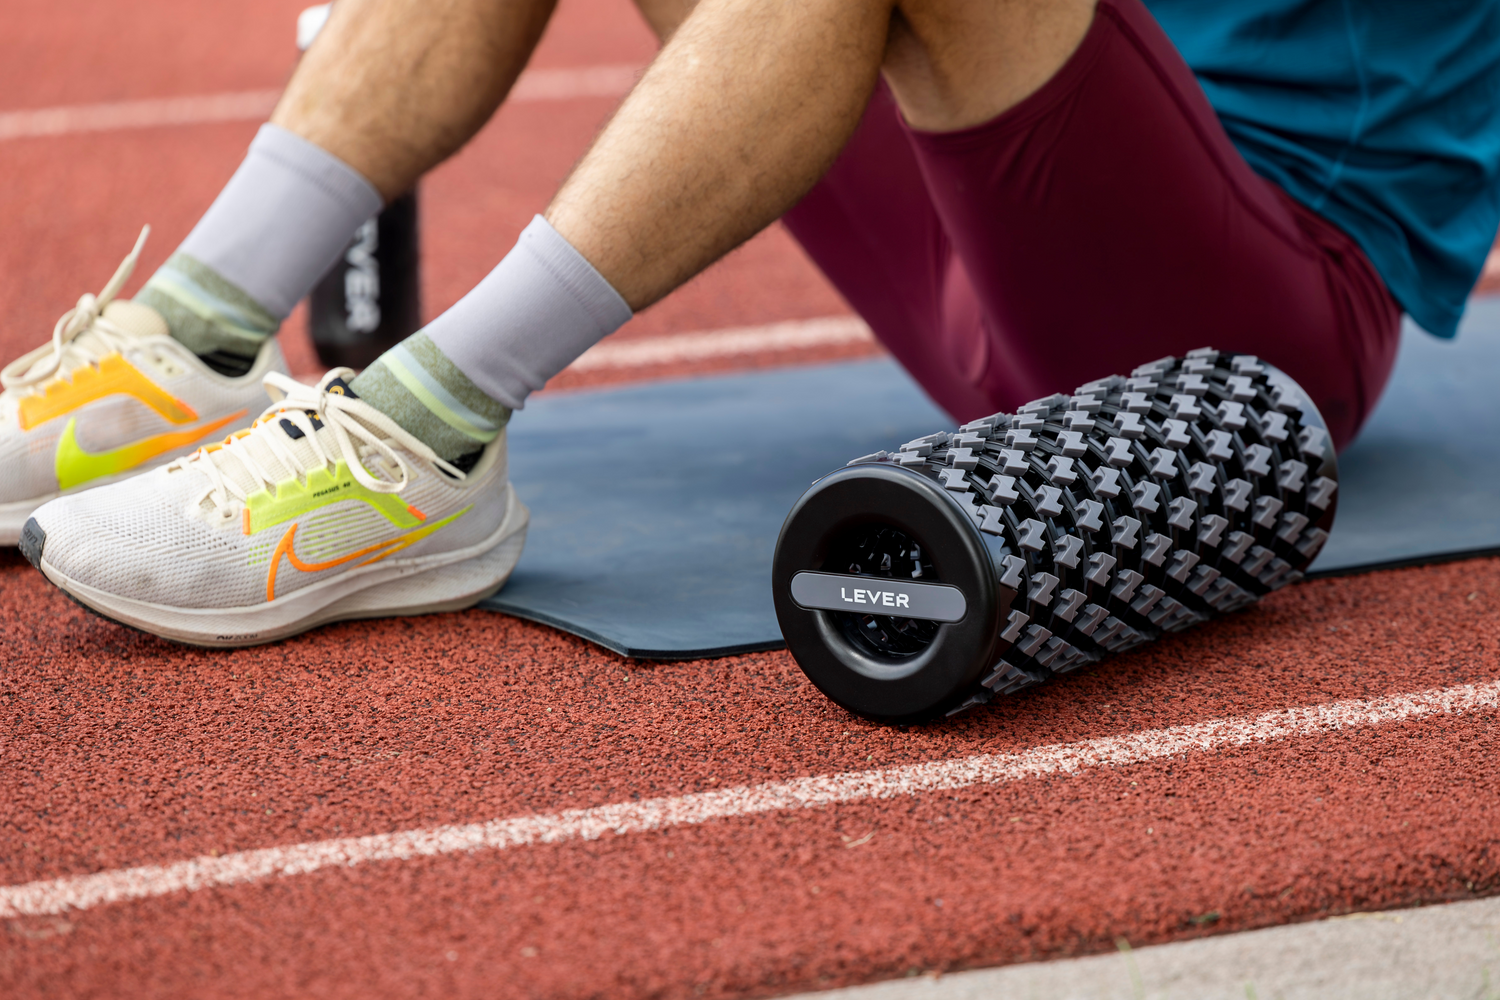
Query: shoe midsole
{"points": [[290, 613]]}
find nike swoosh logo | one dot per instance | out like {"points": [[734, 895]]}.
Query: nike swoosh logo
{"points": [[76, 466], [376, 552]]}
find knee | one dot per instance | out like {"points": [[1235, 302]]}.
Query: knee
{"points": [[957, 63], [664, 16]]}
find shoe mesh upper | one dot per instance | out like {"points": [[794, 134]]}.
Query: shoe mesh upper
{"points": [[117, 420], [158, 538]]}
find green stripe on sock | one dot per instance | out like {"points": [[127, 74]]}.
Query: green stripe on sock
{"points": [[436, 398], [416, 385], [205, 312]]}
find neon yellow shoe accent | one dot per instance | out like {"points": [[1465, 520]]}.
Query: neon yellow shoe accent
{"points": [[294, 498], [377, 552], [76, 466], [113, 377]]}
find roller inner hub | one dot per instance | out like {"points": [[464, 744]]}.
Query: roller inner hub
{"points": [[883, 552]]}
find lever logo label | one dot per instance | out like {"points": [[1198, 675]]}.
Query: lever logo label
{"points": [[362, 280], [889, 598], [938, 602]]}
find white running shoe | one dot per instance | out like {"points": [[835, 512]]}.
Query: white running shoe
{"points": [[111, 396], [324, 510]]}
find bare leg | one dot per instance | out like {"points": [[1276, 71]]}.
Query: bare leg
{"points": [[394, 87], [748, 105]]}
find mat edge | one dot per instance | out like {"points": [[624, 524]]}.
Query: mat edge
{"points": [[1409, 562], [719, 652], [635, 653]]}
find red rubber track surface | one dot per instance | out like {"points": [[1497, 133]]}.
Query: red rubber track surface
{"points": [[71, 206], [121, 750], [117, 750]]}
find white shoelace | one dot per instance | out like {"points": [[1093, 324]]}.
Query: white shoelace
{"points": [[66, 352], [358, 430]]}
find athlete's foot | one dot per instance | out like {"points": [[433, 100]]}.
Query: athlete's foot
{"points": [[110, 396], [325, 509]]}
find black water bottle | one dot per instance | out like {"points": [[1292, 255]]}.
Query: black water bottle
{"points": [[370, 300]]}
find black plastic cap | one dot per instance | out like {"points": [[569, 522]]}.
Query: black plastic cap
{"points": [[907, 689], [33, 539]]}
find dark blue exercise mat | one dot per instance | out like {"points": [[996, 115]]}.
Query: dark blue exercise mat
{"points": [[1422, 481], [655, 508]]}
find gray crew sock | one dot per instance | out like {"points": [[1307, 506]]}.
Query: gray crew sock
{"points": [[416, 385], [454, 384], [275, 229], [540, 308], [211, 317]]}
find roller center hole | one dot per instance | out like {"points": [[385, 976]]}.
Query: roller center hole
{"points": [[887, 553]]}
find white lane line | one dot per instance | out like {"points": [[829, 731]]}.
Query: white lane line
{"points": [[570, 84], [828, 331], [82, 892], [256, 105], [711, 345], [245, 105]]}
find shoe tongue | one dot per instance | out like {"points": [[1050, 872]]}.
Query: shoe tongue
{"points": [[136, 319], [260, 452], [295, 440], [340, 387], [131, 318]]}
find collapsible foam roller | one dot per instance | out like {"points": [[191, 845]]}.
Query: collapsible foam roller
{"points": [[973, 564]]}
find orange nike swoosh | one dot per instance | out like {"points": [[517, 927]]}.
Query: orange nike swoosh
{"points": [[380, 550]]}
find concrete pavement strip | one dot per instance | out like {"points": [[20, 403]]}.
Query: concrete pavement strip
{"points": [[1430, 953]]}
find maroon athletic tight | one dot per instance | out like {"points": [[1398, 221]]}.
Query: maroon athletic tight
{"points": [[1104, 222]]}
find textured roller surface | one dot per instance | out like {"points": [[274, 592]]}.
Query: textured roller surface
{"points": [[1138, 506]]}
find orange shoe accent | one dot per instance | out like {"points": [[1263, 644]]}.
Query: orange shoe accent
{"points": [[76, 466], [114, 376], [284, 548], [380, 550], [416, 513], [245, 519]]}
